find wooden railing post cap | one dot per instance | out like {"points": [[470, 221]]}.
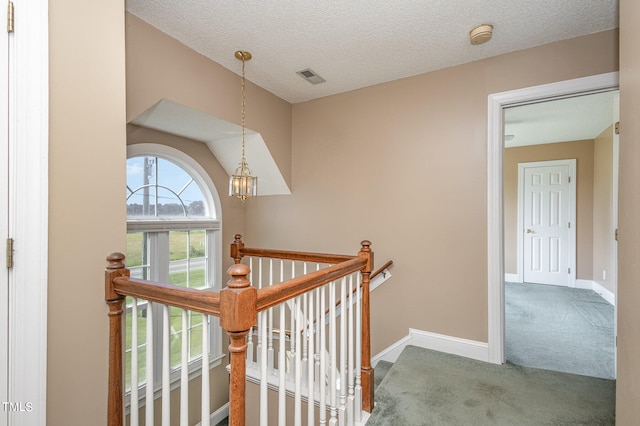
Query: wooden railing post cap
{"points": [[238, 274], [366, 245], [115, 261], [237, 239]]}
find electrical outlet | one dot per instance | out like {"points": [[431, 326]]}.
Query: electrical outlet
{"points": [[604, 274]]}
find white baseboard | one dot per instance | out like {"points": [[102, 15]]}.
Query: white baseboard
{"points": [[598, 288], [511, 278], [437, 342], [217, 416]]}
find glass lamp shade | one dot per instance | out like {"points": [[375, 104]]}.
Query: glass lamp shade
{"points": [[242, 184]]}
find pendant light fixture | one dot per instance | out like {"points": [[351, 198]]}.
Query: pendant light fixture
{"points": [[242, 184]]}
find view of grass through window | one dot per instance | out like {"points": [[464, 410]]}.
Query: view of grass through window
{"points": [[187, 261]]}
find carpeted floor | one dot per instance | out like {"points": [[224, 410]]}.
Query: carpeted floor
{"points": [[425, 387], [560, 329]]}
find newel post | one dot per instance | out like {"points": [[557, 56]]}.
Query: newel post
{"points": [[366, 369], [238, 312], [115, 268], [236, 246]]}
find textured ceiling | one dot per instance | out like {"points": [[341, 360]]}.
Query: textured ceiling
{"points": [[359, 43], [561, 120]]}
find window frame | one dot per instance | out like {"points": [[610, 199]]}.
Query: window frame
{"points": [[159, 228]]}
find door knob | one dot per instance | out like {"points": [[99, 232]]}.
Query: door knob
{"points": [[529, 231]]}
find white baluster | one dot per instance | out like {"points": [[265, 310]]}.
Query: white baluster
{"points": [[322, 350], [166, 386], [282, 404], [205, 371], [261, 342], [149, 367], [310, 366], [184, 371], [297, 408], [333, 399], [341, 365], [264, 391], [358, 350], [249, 354], [293, 348], [305, 335], [282, 361], [270, 354], [133, 416], [350, 356]]}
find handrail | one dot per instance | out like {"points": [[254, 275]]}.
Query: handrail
{"points": [[274, 295], [238, 251], [381, 269], [203, 301], [295, 255]]}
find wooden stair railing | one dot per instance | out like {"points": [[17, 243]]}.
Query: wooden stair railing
{"points": [[237, 306], [238, 251]]}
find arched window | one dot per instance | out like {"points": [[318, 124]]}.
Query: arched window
{"points": [[173, 236]]}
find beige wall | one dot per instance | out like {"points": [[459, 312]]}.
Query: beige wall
{"points": [[159, 67], [86, 201], [628, 384], [603, 224], [404, 164], [582, 151], [431, 126]]}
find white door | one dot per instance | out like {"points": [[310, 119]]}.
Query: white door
{"points": [[548, 223], [4, 223], [24, 162]]}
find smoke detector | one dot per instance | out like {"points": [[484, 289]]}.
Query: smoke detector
{"points": [[481, 34]]}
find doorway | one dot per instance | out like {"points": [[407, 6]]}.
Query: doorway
{"points": [[496, 220]]}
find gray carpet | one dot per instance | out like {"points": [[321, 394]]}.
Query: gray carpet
{"points": [[381, 370], [560, 329], [425, 387]]}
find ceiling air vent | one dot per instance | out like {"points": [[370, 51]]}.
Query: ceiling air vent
{"points": [[311, 76]]}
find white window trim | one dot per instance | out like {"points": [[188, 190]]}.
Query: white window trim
{"points": [[211, 223]]}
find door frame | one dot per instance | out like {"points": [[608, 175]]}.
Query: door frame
{"points": [[571, 254], [495, 215]]}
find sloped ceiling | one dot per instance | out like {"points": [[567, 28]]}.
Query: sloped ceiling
{"points": [[222, 138]]}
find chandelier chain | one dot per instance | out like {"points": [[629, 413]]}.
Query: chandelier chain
{"points": [[243, 110]]}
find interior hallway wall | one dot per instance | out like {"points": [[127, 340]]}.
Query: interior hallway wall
{"points": [[87, 145], [404, 164], [628, 383]]}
